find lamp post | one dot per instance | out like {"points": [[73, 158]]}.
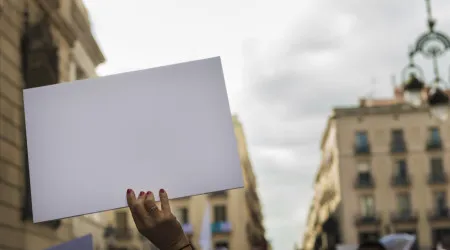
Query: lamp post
{"points": [[432, 45]]}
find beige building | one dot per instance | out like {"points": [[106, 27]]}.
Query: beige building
{"points": [[384, 169], [236, 218], [60, 49]]}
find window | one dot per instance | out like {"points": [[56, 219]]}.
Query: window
{"points": [[402, 168], [434, 139], [434, 135], [437, 168], [182, 215], [361, 139], [440, 200], [397, 141], [367, 205], [364, 175], [220, 213], [404, 203], [397, 135], [122, 219]]}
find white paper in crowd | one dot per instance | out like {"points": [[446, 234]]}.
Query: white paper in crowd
{"points": [[398, 241], [167, 127]]}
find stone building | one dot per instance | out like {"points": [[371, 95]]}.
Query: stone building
{"points": [[42, 42], [384, 169]]}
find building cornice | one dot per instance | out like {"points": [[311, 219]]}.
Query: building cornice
{"points": [[84, 32], [60, 23], [94, 49], [378, 110]]}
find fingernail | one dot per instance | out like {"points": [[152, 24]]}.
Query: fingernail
{"points": [[129, 191], [162, 190], [149, 193], [141, 193]]}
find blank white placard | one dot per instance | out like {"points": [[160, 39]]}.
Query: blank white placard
{"points": [[167, 127]]}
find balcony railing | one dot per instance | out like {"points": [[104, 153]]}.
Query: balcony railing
{"points": [[362, 149], [437, 178], [400, 181], [398, 147], [364, 181], [404, 216], [221, 227], [367, 219], [434, 144], [442, 213]]}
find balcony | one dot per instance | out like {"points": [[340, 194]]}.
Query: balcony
{"points": [[438, 214], [367, 219], [398, 147], [188, 228], [434, 144], [364, 181], [406, 216], [362, 149], [221, 227], [437, 178], [400, 181]]}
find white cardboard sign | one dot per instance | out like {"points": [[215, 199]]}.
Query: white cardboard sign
{"points": [[167, 127]]}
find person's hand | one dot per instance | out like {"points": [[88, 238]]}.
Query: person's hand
{"points": [[158, 225]]}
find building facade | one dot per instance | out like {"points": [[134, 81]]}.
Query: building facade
{"points": [[42, 42], [384, 169]]}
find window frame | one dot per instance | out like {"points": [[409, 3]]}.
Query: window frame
{"points": [[121, 217], [434, 133], [436, 195], [361, 138], [398, 167], [407, 201], [397, 135], [363, 204], [439, 167], [220, 213]]}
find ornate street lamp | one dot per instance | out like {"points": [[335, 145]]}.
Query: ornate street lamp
{"points": [[432, 44]]}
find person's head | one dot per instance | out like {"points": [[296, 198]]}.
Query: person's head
{"points": [[371, 245]]}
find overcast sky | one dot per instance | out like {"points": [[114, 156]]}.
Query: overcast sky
{"points": [[286, 64]]}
